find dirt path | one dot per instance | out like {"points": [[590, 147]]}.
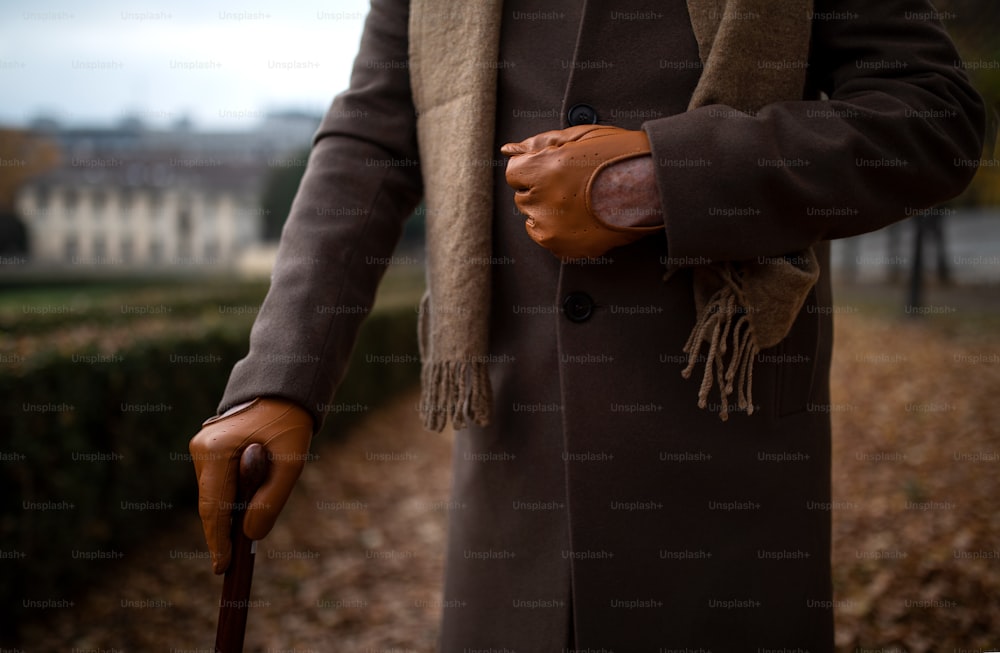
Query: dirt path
{"points": [[916, 477]]}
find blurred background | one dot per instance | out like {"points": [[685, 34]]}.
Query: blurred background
{"points": [[148, 157]]}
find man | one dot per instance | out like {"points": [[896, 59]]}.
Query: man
{"points": [[661, 269]]}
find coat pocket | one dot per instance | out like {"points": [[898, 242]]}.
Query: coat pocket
{"points": [[796, 359]]}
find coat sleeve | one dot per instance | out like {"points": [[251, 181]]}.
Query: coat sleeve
{"points": [[361, 182], [902, 129]]}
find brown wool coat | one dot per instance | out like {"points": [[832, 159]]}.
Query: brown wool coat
{"points": [[601, 504]]}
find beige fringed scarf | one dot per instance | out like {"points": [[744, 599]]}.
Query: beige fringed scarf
{"points": [[742, 307]]}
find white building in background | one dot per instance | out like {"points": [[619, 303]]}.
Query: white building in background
{"points": [[131, 198], [119, 216]]}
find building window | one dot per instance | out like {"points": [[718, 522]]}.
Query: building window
{"points": [[126, 199], [70, 199], [126, 249], [100, 249], [71, 248], [184, 224], [41, 199], [98, 200], [155, 199]]}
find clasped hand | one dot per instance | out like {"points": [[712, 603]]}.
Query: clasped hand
{"points": [[585, 189]]}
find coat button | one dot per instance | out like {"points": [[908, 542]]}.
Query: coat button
{"points": [[578, 307], [582, 114]]}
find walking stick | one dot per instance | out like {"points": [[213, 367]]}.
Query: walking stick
{"points": [[236, 585]]}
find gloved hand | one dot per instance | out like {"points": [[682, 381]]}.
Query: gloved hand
{"points": [[285, 430], [553, 174]]}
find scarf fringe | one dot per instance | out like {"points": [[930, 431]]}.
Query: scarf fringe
{"points": [[717, 318], [455, 390]]}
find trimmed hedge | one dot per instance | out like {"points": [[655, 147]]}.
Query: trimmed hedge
{"points": [[34, 309], [94, 452]]}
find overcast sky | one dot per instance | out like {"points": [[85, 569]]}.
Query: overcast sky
{"points": [[223, 63]]}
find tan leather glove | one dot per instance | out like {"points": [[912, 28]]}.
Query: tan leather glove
{"points": [[285, 430], [553, 172]]}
